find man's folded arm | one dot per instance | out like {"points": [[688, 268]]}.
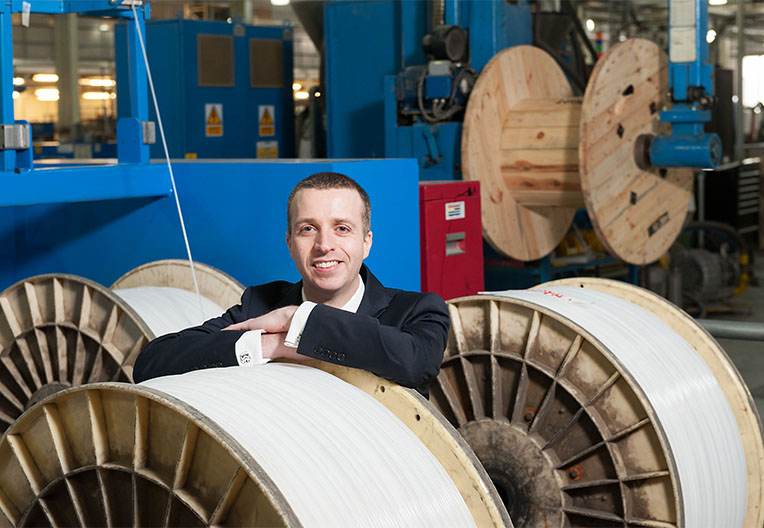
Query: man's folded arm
{"points": [[195, 348], [409, 353]]}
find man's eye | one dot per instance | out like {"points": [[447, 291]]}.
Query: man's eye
{"points": [[343, 229], [306, 229]]}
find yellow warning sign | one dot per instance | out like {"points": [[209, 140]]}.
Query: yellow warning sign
{"points": [[266, 120], [267, 149], [213, 119]]}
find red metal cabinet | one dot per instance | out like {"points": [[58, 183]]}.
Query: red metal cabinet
{"points": [[451, 238]]}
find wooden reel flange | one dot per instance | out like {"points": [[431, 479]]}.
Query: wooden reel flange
{"points": [[112, 454], [566, 435], [540, 153], [59, 331]]}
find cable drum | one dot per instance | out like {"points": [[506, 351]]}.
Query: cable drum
{"points": [[275, 445], [61, 330], [593, 402], [689, 405]]}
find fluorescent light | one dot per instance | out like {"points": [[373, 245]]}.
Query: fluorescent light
{"points": [[104, 27], [296, 86], [45, 77], [46, 94], [279, 2], [717, 2], [590, 24], [18, 81], [16, 94], [710, 36], [107, 83], [301, 95], [94, 96]]}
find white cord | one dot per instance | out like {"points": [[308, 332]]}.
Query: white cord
{"points": [[167, 157], [339, 457], [689, 405], [167, 310]]}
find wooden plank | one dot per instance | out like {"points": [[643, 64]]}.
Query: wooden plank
{"points": [[550, 112], [538, 137]]}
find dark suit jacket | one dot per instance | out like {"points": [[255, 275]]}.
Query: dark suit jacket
{"points": [[395, 334]]}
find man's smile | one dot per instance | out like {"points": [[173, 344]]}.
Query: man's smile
{"points": [[326, 264]]}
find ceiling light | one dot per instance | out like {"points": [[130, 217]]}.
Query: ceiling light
{"points": [[106, 83], [317, 94], [95, 96], [18, 81], [16, 94], [45, 77], [296, 86], [590, 24], [301, 95], [279, 2], [717, 2], [46, 94], [710, 36], [104, 27]]}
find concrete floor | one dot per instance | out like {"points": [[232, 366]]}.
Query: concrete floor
{"points": [[748, 356]]}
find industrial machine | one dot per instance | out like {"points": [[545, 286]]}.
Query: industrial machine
{"points": [[225, 90], [464, 95]]}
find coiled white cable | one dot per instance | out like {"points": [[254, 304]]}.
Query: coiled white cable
{"points": [[167, 310], [690, 407], [339, 457]]}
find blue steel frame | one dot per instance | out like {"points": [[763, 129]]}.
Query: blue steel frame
{"points": [[688, 145], [22, 184]]}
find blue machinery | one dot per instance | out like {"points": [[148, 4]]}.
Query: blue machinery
{"points": [[100, 221]]}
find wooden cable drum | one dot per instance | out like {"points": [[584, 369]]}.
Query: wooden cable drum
{"points": [[541, 153], [59, 330], [113, 454], [565, 431]]}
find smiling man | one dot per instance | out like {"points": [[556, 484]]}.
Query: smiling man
{"points": [[339, 312]]}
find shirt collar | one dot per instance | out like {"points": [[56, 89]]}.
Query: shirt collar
{"points": [[354, 302]]}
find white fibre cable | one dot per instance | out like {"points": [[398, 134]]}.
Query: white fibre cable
{"points": [[689, 405], [167, 157], [339, 457], [168, 310]]}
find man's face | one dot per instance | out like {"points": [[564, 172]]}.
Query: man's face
{"points": [[328, 243]]}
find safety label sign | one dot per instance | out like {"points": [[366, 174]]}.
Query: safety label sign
{"points": [[266, 117], [213, 119], [267, 149]]}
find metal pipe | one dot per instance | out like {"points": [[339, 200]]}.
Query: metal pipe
{"points": [[733, 329]]}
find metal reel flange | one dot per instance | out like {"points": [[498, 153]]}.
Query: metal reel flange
{"points": [[58, 331], [731, 382], [112, 454], [567, 438], [214, 284]]}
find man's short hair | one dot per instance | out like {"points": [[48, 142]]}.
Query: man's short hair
{"points": [[331, 180]]}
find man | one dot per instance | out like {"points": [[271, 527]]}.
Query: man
{"points": [[338, 313]]}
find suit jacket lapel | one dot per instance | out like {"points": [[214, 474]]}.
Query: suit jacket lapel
{"points": [[375, 298]]}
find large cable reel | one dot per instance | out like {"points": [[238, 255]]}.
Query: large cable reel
{"points": [[566, 434]]}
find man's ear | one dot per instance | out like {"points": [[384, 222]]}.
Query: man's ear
{"points": [[367, 244], [289, 242]]}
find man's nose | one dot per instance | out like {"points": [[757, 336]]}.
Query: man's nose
{"points": [[324, 241]]}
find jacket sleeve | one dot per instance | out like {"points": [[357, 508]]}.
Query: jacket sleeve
{"points": [[407, 349], [204, 346]]}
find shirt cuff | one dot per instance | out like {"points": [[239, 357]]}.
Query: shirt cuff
{"points": [[249, 349], [299, 320]]}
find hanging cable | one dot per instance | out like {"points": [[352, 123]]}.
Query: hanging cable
{"points": [[167, 157]]}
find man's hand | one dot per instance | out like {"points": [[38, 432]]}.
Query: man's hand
{"points": [[274, 322]]}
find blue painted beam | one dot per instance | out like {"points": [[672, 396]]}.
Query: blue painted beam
{"points": [[83, 184]]}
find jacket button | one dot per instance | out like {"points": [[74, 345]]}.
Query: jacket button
{"points": [[340, 356], [332, 355], [324, 353]]}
